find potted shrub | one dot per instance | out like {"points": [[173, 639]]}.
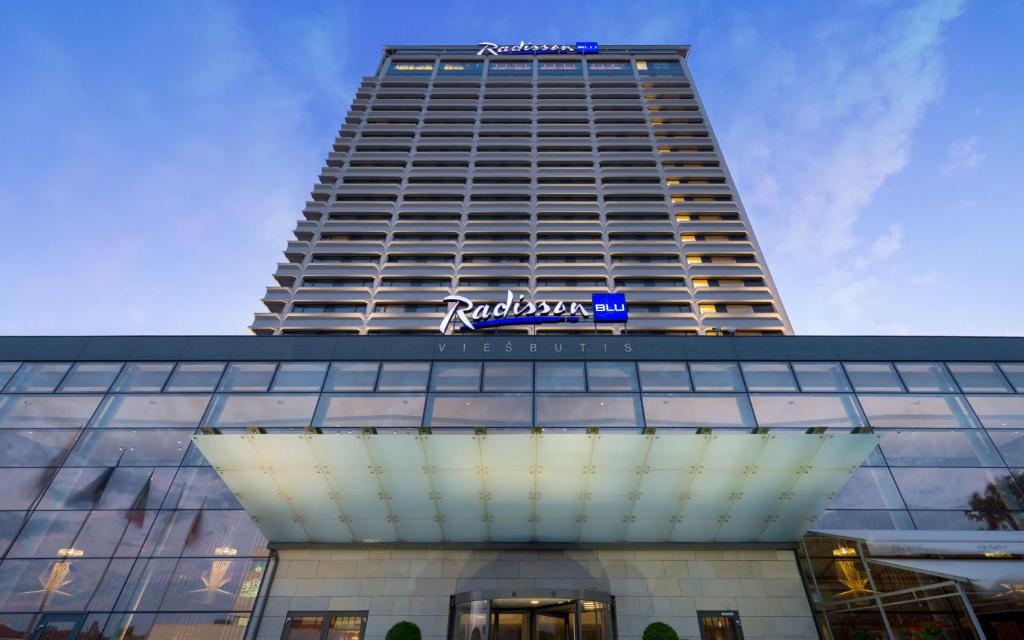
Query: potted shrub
{"points": [[660, 631], [404, 630]]}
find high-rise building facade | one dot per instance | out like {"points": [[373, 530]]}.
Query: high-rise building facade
{"points": [[484, 485], [483, 170]]}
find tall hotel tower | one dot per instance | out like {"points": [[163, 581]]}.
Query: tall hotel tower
{"points": [[548, 172]]}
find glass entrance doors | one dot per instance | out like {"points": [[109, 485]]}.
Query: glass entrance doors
{"points": [[58, 627], [720, 625], [515, 616]]}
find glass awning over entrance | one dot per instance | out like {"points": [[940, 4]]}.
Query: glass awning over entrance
{"points": [[523, 487]]}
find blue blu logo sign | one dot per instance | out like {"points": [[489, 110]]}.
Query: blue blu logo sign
{"points": [[610, 307], [586, 47]]}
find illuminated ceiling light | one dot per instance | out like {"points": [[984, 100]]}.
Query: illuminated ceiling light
{"points": [[70, 552], [844, 552], [998, 554], [534, 601], [225, 551]]}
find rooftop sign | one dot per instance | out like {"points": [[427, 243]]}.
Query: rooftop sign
{"points": [[530, 49], [608, 307]]}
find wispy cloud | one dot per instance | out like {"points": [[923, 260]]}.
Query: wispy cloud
{"points": [[962, 156]]}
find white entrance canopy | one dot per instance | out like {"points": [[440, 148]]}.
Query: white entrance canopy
{"points": [[987, 575], [521, 487]]}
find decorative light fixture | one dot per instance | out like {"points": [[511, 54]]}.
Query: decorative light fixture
{"points": [[844, 552]]}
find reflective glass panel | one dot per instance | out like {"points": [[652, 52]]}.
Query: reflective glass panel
{"points": [[868, 488], [352, 376], [46, 533], [971, 489], [926, 377], [864, 519], [36, 448], [143, 377], [968, 520], [981, 377], [820, 376], [162, 411], [10, 523], [202, 532], [7, 370], [247, 376], [664, 376], [1011, 444], [698, 410], [479, 410], [797, 411], [195, 377], [999, 412], [716, 376], [922, 411], [455, 376], [38, 377], [183, 626], [560, 376], [22, 486], [108, 488], [308, 627], [1014, 372], [199, 488], [299, 376], [26, 585], [344, 628], [370, 410], [129, 447], [508, 376], [46, 412], [768, 376], [589, 410], [612, 376], [873, 376], [403, 376], [261, 410], [932, 448], [90, 377]]}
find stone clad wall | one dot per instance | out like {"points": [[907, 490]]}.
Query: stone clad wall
{"points": [[662, 584]]}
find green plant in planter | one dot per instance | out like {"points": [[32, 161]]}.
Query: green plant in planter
{"points": [[660, 631], [404, 630]]}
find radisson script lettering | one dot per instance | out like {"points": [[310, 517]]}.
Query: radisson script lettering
{"points": [[530, 49], [473, 316]]}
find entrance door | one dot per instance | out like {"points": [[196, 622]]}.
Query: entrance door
{"points": [[58, 626], [720, 625], [557, 622]]}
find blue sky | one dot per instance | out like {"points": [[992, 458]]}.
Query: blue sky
{"points": [[154, 157]]}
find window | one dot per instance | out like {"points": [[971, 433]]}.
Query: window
{"points": [[999, 412], [588, 410], [820, 376], [455, 376], [868, 489], [716, 376], [460, 69], [609, 69], [7, 370], [195, 376], [917, 411], [560, 376], [926, 377], [1014, 371], [768, 376], [873, 376], [479, 410], [510, 68], [299, 376], [338, 307], [784, 411], [698, 410], [248, 376], [332, 625], [34, 377], [979, 377], [370, 410], [931, 448], [560, 69], [719, 625], [90, 377], [411, 69], [352, 376], [664, 376], [142, 377], [261, 410]]}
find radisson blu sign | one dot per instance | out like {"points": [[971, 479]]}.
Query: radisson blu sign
{"points": [[606, 307], [530, 49]]}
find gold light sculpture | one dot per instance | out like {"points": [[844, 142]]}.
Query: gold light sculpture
{"points": [[215, 579], [847, 573], [58, 576]]}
